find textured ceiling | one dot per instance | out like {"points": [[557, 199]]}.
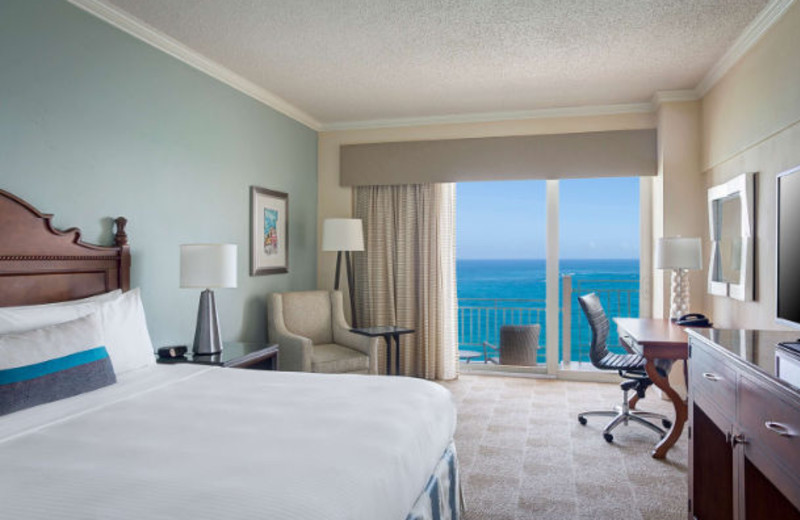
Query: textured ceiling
{"points": [[361, 60]]}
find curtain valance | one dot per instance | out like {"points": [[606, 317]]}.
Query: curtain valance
{"points": [[619, 153]]}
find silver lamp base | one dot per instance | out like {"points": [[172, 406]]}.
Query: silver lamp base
{"points": [[207, 335]]}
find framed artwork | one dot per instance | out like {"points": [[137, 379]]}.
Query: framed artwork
{"points": [[269, 231]]}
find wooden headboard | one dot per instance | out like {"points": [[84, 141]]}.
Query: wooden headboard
{"points": [[40, 264]]}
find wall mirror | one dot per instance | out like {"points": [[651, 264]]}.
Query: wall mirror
{"points": [[731, 212]]}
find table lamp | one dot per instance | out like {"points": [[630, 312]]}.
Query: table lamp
{"points": [[343, 235], [680, 255], [208, 266]]}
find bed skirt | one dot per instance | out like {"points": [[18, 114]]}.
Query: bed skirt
{"points": [[441, 499]]}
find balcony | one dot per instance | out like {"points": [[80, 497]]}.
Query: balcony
{"points": [[480, 319]]}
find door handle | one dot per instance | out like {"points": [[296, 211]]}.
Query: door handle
{"points": [[711, 377]]}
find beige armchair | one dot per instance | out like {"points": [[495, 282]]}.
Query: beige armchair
{"points": [[314, 336]]}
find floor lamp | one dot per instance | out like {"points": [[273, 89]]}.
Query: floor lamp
{"points": [[680, 255], [344, 235]]}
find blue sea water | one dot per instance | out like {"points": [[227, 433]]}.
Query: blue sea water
{"points": [[481, 282]]}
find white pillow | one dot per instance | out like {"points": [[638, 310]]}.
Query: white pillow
{"points": [[126, 336], [51, 342], [97, 298], [29, 317], [124, 325], [52, 363]]}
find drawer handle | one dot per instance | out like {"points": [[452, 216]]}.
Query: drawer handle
{"points": [[780, 429], [711, 377]]}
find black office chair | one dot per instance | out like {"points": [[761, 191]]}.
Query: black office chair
{"points": [[629, 366]]}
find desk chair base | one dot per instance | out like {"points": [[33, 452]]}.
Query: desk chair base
{"points": [[623, 414]]}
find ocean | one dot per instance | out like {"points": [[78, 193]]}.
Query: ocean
{"points": [[496, 292]]}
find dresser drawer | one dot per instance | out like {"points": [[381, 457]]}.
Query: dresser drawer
{"points": [[771, 424], [712, 381]]}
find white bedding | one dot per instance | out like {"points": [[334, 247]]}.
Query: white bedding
{"points": [[185, 441]]}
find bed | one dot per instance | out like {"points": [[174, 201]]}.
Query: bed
{"points": [[189, 441]]}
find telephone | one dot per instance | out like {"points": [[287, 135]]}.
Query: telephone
{"points": [[693, 320]]}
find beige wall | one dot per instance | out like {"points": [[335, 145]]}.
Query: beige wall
{"points": [[678, 195], [678, 202], [336, 201], [751, 122]]}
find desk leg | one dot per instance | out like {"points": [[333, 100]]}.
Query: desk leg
{"points": [[681, 411]]}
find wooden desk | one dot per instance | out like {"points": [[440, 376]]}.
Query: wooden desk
{"points": [[659, 339]]}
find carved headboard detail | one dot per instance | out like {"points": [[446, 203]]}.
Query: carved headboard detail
{"points": [[40, 264]]}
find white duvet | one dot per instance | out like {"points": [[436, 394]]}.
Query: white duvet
{"points": [[182, 441]]}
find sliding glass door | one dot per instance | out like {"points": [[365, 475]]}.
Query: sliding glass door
{"points": [[525, 251], [599, 252], [501, 275]]}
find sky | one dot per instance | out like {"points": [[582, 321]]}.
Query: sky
{"points": [[598, 218]]}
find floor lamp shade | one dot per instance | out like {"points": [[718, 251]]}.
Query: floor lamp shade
{"points": [[342, 234], [680, 255], [208, 266]]}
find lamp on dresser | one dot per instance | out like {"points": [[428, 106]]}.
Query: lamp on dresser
{"points": [[208, 266], [680, 255], [344, 235]]}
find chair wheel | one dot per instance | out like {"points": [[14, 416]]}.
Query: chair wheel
{"points": [[582, 420], [608, 437], [667, 423]]}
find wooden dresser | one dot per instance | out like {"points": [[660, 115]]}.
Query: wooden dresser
{"points": [[744, 417]]}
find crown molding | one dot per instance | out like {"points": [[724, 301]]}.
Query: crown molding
{"points": [[673, 96], [489, 117], [144, 32], [749, 37]]}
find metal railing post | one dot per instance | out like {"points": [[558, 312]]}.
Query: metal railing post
{"points": [[496, 331], [566, 320]]}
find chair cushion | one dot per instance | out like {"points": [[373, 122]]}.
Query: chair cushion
{"points": [[621, 362], [331, 358], [308, 314]]}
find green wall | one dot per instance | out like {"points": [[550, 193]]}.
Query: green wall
{"points": [[95, 124]]}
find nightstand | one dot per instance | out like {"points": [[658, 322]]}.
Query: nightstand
{"points": [[255, 356]]}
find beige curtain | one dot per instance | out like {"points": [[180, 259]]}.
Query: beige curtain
{"points": [[407, 275]]}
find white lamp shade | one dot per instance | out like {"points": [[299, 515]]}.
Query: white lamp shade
{"points": [[342, 234], [208, 266], [679, 253]]}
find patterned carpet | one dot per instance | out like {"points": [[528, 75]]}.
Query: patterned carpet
{"points": [[523, 454]]}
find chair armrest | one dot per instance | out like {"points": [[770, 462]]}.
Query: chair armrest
{"points": [[343, 336], [364, 344], [295, 350]]}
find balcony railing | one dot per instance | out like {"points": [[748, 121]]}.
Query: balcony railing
{"points": [[480, 319]]}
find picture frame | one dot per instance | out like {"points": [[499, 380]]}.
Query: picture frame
{"points": [[269, 231]]}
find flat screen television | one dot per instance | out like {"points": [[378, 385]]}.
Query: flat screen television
{"points": [[788, 248]]}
